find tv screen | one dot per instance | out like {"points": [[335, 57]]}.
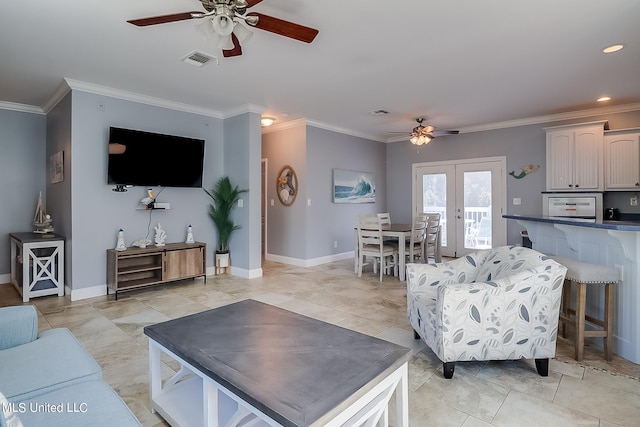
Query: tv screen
{"points": [[153, 159]]}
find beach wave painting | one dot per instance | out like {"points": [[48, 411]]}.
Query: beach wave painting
{"points": [[353, 187]]}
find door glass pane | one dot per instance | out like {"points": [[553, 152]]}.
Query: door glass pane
{"points": [[477, 210], [434, 199]]}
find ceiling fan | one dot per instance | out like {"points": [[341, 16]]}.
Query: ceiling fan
{"points": [[225, 16], [424, 134]]}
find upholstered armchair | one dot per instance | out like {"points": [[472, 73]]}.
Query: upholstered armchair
{"points": [[494, 304]]}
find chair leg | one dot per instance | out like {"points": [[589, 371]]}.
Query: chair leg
{"points": [[448, 368], [566, 305], [542, 366], [581, 300], [608, 321]]}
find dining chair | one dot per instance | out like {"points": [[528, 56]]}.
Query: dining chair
{"points": [[371, 244], [432, 237], [385, 218], [415, 246]]}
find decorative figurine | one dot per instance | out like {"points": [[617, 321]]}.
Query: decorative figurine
{"points": [[149, 201], [120, 246], [161, 236], [189, 235], [142, 243], [41, 220]]}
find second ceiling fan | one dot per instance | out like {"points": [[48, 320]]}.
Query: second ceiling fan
{"points": [[225, 16], [424, 134]]}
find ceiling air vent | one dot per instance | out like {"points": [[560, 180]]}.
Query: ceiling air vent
{"points": [[199, 58]]}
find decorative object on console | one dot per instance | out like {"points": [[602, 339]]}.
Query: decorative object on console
{"points": [[150, 200], [142, 243], [525, 171], [287, 185], [120, 245], [189, 235], [161, 236], [41, 220]]}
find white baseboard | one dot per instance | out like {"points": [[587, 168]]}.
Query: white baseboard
{"points": [[309, 262], [84, 293], [5, 278]]}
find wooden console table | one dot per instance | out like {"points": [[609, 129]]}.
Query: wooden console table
{"points": [[135, 268], [37, 264]]}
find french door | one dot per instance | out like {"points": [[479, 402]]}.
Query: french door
{"points": [[470, 196]]}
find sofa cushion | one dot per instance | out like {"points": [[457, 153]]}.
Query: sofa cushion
{"points": [[87, 404], [19, 325], [54, 360], [8, 417]]}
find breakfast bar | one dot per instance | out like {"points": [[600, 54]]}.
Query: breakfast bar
{"points": [[612, 243]]}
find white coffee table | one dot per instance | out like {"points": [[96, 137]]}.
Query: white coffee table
{"points": [[253, 364]]}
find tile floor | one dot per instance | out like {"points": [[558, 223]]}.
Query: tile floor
{"points": [[593, 393]]}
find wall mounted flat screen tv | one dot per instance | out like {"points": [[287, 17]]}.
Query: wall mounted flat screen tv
{"points": [[152, 159]]}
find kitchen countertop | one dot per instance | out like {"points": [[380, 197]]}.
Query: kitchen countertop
{"points": [[580, 222]]}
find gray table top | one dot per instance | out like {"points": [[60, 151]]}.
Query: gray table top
{"points": [[293, 368]]}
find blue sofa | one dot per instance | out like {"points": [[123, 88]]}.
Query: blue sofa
{"points": [[50, 379]]}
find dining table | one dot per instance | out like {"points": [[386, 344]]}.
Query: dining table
{"points": [[402, 232]]}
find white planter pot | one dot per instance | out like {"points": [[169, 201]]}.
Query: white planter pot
{"points": [[222, 260]]}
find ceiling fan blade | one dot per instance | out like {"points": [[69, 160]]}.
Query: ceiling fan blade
{"points": [[162, 19], [251, 3], [445, 132], [285, 28], [237, 49]]}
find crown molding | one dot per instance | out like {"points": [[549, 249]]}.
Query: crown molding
{"points": [[571, 115], [344, 131], [285, 125], [244, 109], [304, 122], [23, 108], [143, 99]]}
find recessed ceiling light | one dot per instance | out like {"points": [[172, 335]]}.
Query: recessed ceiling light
{"points": [[612, 48], [604, 99]]}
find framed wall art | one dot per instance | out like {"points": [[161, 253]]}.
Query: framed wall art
{"points": [[353, 187], [56, 167]]}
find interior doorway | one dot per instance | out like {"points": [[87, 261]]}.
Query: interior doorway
{"points": [[470, 196]]}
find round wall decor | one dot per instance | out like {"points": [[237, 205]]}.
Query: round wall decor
{"points": [[287, 185]]}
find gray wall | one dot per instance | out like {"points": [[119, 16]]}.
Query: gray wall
{"points": [[286, 225], [328, 222], [307, 232], [521, 145], [59, 195], [98, 212], [242, 163], [23, 174]]}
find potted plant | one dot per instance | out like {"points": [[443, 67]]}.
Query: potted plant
{"points": [[225, 197]]}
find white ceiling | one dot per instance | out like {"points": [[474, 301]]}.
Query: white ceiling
{"points": [[461, 63]]}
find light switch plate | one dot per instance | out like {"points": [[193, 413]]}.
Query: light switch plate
{"points": [[517, 201]]}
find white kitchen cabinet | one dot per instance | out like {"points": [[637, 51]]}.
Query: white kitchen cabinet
{"points": [[575, 157], [622, 160]]}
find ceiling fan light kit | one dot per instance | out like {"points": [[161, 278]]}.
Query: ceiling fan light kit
{"points": [[421, 135]]}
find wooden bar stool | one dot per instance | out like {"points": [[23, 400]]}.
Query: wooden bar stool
{"points": [[585, 274]]}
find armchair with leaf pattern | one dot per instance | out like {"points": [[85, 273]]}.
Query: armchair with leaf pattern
{"points": [[494, 304]]}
